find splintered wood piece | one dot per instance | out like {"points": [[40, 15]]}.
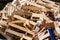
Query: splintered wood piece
{"points": [[21, 18], [21, 28], [18, 34]]}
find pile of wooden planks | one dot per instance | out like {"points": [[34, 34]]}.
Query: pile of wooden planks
{"points": [[18, 19]]}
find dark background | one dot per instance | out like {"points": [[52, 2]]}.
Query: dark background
{"points": [[3, 3]]}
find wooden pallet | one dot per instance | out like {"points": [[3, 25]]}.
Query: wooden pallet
{"points": [[16, 30], [19, 26], [20, 23]]}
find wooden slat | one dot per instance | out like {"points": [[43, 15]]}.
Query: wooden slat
{"points": [[18, 34]]}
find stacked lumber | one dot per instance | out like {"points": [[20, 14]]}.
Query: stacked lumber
{"points": [[18, 19]]}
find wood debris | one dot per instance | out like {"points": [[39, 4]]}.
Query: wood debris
{"points": [[18, 19]]}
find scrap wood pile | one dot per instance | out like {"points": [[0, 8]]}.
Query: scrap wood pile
{"points": [[18, 20]]}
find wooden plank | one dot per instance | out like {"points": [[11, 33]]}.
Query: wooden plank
{"points": [[21, 18], [18, 21], [46, 5], [34, 4], [21, 28], [18, 34]]}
